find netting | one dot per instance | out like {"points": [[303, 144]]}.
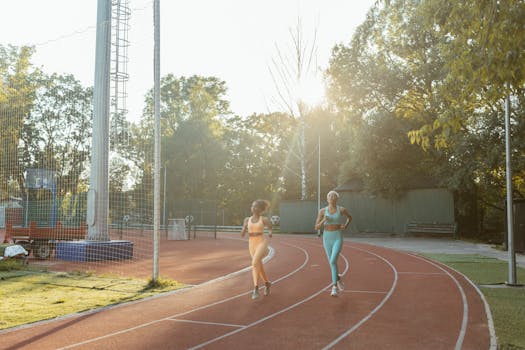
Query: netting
{"points": [[48, 202]]}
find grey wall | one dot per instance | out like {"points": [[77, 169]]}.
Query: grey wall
{"points": [[375, 213], [298, 216]]}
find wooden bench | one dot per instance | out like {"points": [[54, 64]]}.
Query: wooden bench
{"points": [[432, 227]]}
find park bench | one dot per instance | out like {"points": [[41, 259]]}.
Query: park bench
{"points": [[432, 227]]}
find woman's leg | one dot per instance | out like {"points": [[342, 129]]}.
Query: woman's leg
{"points": [[258, 268], [332, 241], [336, 249]]}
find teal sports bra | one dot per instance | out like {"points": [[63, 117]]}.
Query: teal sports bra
{"points": [[332, 219]]}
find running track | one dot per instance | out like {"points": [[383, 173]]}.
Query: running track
{"points": [[392, 300]]}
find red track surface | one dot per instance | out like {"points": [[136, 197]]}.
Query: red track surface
{"points": [[392, 300]]}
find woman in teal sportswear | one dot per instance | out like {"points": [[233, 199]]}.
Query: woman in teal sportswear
{"points": [[333, 236]]}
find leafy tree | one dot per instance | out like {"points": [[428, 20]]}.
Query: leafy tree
{"points": [[18, 82], [192, 113], [442, 68]]}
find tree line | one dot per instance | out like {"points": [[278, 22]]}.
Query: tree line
{"points": [[417, 93]]}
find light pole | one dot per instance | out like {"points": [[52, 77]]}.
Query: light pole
{"points": [[318, 176], [156, 88], [164, 201], [510, 204]]}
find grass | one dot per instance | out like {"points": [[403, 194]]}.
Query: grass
{"points": [[30, 295], [507, 304]]}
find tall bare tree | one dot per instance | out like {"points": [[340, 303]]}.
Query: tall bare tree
{"points": [[292, 66]]}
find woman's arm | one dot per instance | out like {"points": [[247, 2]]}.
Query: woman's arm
{"points": [[268, 224], [320, 219], [244, 227], [348, 218]]}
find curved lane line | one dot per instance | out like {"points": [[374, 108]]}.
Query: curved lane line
{"points": [[269, 316], [379, 306], [172, 317], [490, 322], [464, 322]]}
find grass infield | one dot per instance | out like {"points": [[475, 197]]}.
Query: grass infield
{"points": [[30, 295], [507, 304]]}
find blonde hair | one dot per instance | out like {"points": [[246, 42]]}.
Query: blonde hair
{"points": [[329, 194]]}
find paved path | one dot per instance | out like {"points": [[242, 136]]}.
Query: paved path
{"points": [[434, 246]]}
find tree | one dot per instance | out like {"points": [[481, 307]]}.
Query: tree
{"points": [[17, 94], [192, 114], [290, 71], [442, 69]]}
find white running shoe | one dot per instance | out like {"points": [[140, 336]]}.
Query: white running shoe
{"points": [[267, 289], [255, 294], [334, 291], [340, 284]]}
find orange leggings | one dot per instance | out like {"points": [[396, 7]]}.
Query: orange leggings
{"points": [[258, 250]]}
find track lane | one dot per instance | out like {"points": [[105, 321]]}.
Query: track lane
{"points": [[408, 313]]}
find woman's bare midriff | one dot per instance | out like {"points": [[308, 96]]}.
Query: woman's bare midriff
{"points": [[332, 227]]}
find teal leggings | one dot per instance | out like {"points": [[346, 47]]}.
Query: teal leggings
{"points": [[333, 242]]}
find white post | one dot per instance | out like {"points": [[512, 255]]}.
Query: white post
{"points": [[156, 187], [98, 200], [164, 200], [510, 206], [318, 175]]}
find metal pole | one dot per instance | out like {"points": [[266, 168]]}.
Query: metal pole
{"points": [[98, 200], [164, 202], [156, 189], [318, 176], [510, 204]]}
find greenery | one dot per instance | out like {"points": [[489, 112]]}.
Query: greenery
{"points": [[30, 296], [506, 304], [421, 85]]}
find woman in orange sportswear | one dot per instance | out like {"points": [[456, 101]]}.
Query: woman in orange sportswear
{"points": [[258, 244]]}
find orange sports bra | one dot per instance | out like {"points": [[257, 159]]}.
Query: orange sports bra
{"points": [[255, 229]]}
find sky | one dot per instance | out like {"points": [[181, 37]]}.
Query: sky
{"points": [[233, 40]]}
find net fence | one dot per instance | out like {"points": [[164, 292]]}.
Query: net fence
{"points": [[47, 151]]}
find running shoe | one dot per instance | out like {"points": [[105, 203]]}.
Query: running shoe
{"points": [[255, 294], [340, 284], [334, 291], [267, 289]]}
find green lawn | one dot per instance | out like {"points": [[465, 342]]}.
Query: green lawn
{"points": [[29, 295], [506, 304]]}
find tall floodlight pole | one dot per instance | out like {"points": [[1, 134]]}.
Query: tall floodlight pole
{"points": [[318, 175], [156, 187], [98, 200], [510, 204]]}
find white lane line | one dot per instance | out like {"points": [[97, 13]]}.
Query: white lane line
{"points": [[464, 322], [423, 273], [377, 308], [146, 324], [492, 333], [363, 291], [269, 316], [203, 322]]}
